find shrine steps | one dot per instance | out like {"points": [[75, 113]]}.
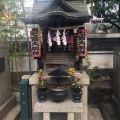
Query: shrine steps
{"points": [[59, 60]]}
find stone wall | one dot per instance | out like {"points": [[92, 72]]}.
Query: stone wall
{"points": [[5, 78], [116, 71]]}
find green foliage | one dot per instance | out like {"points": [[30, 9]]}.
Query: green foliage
{"points": [[103, 27], [94, 73], [88, 43], [2, 5], [42, 83], [11, 27], [113, 18], [87, 64]]}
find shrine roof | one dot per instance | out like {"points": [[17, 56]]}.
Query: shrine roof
{"points": [[72, 10]]}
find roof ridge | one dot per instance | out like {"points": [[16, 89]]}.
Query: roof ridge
{"points": [[61, 3]]}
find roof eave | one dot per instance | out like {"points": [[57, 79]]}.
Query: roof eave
{"points": [[39, 20]]}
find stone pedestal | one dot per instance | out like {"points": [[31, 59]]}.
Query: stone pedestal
{"points": [[5, 79], [47, 110], [66, 106]]}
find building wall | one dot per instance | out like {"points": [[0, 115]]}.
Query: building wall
{"points": [[23, 64], [5, 78], [103, 60]]}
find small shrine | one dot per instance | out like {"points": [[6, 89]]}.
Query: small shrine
{"points": [[62, 31], [59, 45]]}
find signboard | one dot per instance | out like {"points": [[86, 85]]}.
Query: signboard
{"points": [[2, 64], [35, 44], [82, 42]]}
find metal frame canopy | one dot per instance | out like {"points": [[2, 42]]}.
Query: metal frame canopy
{"points": [[58, 13]]}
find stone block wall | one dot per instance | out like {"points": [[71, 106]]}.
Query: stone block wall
{"points": [[5, 78]]}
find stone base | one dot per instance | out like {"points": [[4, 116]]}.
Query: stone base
{"points": [[67, 106], [7, 106], [50, 110], [53, 116], [56, 116]]}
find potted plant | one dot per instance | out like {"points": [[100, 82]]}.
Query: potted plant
{"points": [[42, 87], [76, 86]]}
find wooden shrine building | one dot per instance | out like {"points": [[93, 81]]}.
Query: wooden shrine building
{"points": [[64, 37]]}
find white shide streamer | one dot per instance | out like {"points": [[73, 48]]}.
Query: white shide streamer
{"points": [[49, 39], [58, 37], [64, 40]]}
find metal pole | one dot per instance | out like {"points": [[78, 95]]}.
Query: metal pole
{"points": [[101, 13]]}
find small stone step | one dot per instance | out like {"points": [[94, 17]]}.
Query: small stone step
{"points": [[14, 114], [94, 113], [108, 111], [7, 106], [58, 58]]}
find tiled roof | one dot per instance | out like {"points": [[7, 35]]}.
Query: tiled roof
{"points": [[78, 11]]}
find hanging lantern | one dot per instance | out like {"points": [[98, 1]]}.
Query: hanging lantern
{"points": [[82, 42], [35, 43]]}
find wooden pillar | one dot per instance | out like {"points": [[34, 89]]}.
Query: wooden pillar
{"points": [[72, 46], [44, 43]]}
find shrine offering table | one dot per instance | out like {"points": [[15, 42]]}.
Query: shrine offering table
{"points": [[75, 111], [67, 106]]}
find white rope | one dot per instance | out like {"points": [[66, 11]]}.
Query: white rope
{"points": [[62, 28]]}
